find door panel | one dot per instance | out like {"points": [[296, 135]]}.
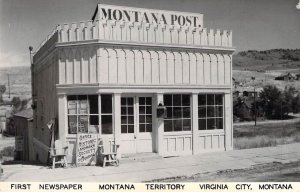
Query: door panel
{"points": [[136, 124]]}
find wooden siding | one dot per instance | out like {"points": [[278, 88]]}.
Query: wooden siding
{"points": [[125, 66]]}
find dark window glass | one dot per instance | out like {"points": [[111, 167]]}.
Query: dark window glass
{"points": [[186, 125], [169, 112], [185, 100], [211, 124], [219, 111], [149, 119], [142, 101], [210, 99], [106, 124], [201, 111], [219, 99], [201, 99], [130, 110], [176, 100], [142, 118], [82, 97], [210, 111], [123, 128], [129, 101], [149, 110], [72, 97], [177, 112], [123, 111], [148, 127], [123, 101], [186, 112], [130, 119], [168, 125], [142, 127], [106, 104], [168, 100], [94, 120], [123, 119], [93, 102], [177, 125], [148, 100], [130, 128], [219, 123], [214, 111], [142, 110], [202, 124]]}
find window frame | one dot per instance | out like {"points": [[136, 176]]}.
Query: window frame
{"points": [[182, 118], [99, 114], [215, 117]]}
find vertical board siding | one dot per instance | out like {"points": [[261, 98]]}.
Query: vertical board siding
{"points": [[77, 67], [121, 66], [70, 68], [103, 65], [118, 65], [93, 66], [214, 69], [130, 66], [85, 66]]}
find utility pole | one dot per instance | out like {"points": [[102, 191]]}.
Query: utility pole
{"points": [[8, 83], [254, 107], [253, 78]]}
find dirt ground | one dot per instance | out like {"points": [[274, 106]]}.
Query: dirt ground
{"points": [[272, 172]]}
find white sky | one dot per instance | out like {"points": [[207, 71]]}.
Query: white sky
{"points": [[256, 24]]}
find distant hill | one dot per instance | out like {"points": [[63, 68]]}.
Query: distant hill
{"points": [[20, 82], [274, 59]]}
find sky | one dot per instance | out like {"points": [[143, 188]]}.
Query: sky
{"points": [[256, 24]]}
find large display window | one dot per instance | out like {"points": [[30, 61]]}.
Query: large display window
{"points": [[84, 117], [178, 112], [210, 111]]}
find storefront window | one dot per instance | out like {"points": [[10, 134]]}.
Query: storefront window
{"points": [[83, 115], [210, 111], [178, 113]]}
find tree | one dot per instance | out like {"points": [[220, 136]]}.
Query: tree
{"points": [[271, 100], [2, 90], [288, 97], [296, 104]]}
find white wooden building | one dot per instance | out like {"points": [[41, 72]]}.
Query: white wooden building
{"points": [[109, 75]]}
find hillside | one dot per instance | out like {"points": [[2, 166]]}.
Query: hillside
{"points": [[274, 59], [20, 82]]}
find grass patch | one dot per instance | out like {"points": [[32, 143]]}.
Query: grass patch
{"points": [[265, 135]]}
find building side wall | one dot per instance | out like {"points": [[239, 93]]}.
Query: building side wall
{"points": [[139, 66], [45, 80]]}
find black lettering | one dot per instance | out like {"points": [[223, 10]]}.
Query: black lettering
{"points": [[154, 18], [117, 14], [188, 20], [181, 20], [127, 15], [173, 19]]}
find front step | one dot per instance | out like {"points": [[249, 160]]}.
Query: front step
{"points": [[139, 157]]}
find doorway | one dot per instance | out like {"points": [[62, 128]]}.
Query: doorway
{"points": [[136, 124]]}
